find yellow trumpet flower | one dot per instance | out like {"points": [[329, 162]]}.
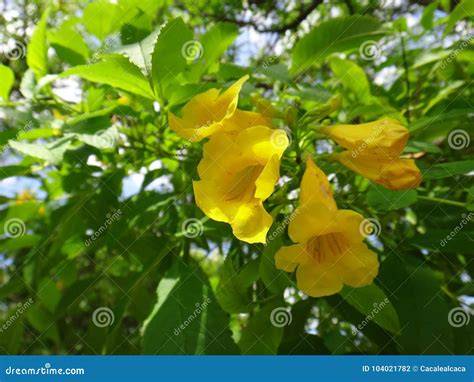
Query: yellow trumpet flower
{"points": [[238, 172], [330, 251], [373, 149], [213, 111]]}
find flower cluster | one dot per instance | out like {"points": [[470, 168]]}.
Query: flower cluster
{"points": [[241, 166]]}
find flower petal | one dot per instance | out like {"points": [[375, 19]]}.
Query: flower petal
{"points": [[315, 186], [251, 223], [288, 258], [384, 137], [310, 220], [359, 266], [318, 280], [265, 183], [395, 174]]}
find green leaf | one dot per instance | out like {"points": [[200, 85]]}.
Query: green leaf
{"points": [[216, 41], [415, 292], [52, 152], [447, 170], [261, 335], [8, 79], [231, 292], [37, 50], [352, 77], [101, 18], [427, 16], [372, 302], [115, 71], [198, 325], [140, 53], [336, 35], [274, 279], [168, 59], [103, 139], [379, 198], [69, 44], [464, 9]]}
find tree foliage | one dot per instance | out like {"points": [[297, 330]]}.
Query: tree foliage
{"points": [[103, 249]]}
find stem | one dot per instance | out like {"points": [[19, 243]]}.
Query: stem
{"points": [[407, 79], [439, 200]]}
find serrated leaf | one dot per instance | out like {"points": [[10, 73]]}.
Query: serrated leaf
{"points": [[140, 53], [52, 152], [116, 71], [168, 59]]}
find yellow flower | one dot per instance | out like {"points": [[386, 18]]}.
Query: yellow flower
{"points": [[213, 111], [373, 149], [238, 172], [24, 196], [330, 251]]}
